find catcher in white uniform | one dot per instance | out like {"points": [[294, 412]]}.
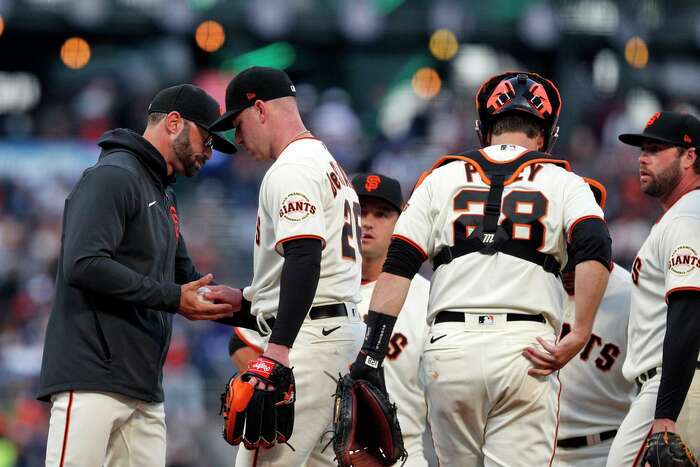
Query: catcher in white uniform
{"points": [[595, 396], [495, 223], [307, 263], [381, 202], [664, 321]]}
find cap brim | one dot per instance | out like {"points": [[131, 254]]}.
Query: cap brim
{"points": [[382, 198], [225, 122], [638, 139], [223, 145]]}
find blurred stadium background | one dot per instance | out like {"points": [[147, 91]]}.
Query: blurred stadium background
{"points": [[387, 84]]}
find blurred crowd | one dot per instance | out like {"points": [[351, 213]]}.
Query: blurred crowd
{"points": [[218, 218]]}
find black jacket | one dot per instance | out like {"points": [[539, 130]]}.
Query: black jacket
{"points": [[122, 258]]}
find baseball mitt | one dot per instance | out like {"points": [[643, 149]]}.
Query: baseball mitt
{"points": [[260, 415], [667, 450], [365, 425]]}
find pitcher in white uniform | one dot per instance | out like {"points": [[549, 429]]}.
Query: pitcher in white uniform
{"points": [[664, 321], [381, 202], [307, 262]]}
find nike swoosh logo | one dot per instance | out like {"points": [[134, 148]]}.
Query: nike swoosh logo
{"points": [[435, 339], [325, 331], [152, 203]]}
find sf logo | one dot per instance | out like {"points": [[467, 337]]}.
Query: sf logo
{"points": [[372, 182]]}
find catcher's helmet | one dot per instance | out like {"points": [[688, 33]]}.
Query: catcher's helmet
{"points": [[523, 92]]}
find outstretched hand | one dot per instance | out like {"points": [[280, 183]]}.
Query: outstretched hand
{"points": [[193, 308], [225, 294]]}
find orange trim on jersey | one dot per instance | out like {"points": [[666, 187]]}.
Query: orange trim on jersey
{"points": [[577, 221], [242, 337], [682, 289], [65, 430], [295, 237], [413, 244], [598, 186], [365, 282], [298, 139], [556, 429], [483, 175], [641, 449]]}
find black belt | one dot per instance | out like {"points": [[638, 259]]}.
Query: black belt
{"points": [[322, 312], [458, 317], [644, 377], [647, 375], [590, 440], [329, 311]]}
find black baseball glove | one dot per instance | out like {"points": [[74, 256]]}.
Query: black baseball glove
{"points": [[365, 425], [667, 450], [255, 416]]}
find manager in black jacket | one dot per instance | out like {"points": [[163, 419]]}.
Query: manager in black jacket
{"points": [[123, 272]]}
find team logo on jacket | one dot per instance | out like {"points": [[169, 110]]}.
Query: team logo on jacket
{"points": [[296, 207], [683, 260], [176, 221]]}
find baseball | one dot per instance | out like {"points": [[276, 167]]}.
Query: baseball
{"points": [[200, 294]]}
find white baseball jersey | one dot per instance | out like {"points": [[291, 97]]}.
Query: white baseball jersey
{"points": [[668, 261], [544, 205], [404, 354], [306, 194], [595, 397]]}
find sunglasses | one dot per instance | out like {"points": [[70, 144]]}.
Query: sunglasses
{"points": [[207, 142]]}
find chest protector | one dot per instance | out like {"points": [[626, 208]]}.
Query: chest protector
{"points": [[493, 238]]}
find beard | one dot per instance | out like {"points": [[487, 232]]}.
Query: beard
{"points": [[182, 147], [664, 182]]}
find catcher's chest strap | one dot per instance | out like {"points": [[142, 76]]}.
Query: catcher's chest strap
{"points": [[493, 238]]}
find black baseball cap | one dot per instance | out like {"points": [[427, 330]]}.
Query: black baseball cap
{"points": [[254, 83], [676, 128], [195, 105], [379, 186]]}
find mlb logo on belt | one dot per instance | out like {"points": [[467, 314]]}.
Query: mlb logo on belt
{"points": [[486, 319]]}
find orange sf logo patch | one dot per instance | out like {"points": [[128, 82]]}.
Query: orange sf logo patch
{"points": [[250, 95], [687, 139], [372, 182], [653, 118]]}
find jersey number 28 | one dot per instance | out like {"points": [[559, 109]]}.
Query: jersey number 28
{"points": [[522, 210]]}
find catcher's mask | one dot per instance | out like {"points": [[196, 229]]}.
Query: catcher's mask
{"points": [[522, 92]]}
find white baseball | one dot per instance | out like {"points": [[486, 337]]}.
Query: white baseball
{"points": [[200, 294]]}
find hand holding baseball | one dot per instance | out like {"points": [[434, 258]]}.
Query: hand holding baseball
{"points": [[199, 306]]}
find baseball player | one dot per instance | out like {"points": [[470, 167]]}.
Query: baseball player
{"points": [[664, 323], [595, 396], [307, 262], [495, 223], [381, 202]]}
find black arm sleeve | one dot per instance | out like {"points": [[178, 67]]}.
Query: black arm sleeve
{"points": [[95, 218], [300, 274], [402, 259], [590, 240], [681, 346], [242, 318]]}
